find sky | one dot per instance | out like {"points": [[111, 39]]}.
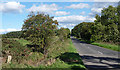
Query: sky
{"points": [[68, 14]]}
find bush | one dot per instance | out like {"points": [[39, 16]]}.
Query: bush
{"points": [[63, 33], [15, 34], [15, 49]]}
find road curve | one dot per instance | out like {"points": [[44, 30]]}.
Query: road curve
{"points": [[96, 57]]}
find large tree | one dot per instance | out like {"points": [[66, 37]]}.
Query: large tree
{"points": [[105, 28], [110, 18], [109, 15], [39, 29]]}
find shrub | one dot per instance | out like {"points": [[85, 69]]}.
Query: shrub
{"points": [[15, 49]]}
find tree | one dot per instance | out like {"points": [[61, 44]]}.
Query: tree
{"points": [[118, 13], [83, 30], [118, 10], [97, 32], [105, 28], [14, 34], [63, 33], [109, 16], [39, 29], [98, 19]]}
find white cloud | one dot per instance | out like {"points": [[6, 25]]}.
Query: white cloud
{"points": [[67, 25], [44, 8], [59, 13], [98, 7], [73, 18], [82, 13], [8, 30], [96, 10], [78, 6], [104, 4], [14, 7], [70, 25]]}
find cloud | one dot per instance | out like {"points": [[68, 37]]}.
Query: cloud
{"points": [[104, 4], [59, 13], [67, 25], [98, 7], [11, 7], [8, 30], [78, 6], [82, 13], [96, 10], [74, 18], [44, 8]]}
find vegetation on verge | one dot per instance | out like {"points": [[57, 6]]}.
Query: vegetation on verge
{"points": [[40, 45], [63, 55], [106, 28], [107, 45]]}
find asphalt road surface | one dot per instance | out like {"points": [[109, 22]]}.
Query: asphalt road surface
{"points": [[97, 57]]}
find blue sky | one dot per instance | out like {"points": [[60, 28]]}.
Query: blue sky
{"points": [[68, 14]]}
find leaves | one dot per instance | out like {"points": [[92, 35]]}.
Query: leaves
{"points": [[105, 28], [39, 29]]}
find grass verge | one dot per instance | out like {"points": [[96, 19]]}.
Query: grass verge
{"points": [[62, 54], [66, 57], [113, 47], [108, 46]]}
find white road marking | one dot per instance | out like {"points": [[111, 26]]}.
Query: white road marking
{"points": [[100, 52]]}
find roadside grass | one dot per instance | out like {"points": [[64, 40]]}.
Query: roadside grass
{"points": [[64, 53], [18, 52], [15, 65], [110, 46], [66, 56]]}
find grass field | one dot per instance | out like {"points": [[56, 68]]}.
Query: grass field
{"points": [[61, 55]]}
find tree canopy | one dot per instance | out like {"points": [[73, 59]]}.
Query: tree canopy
{"points": [[105, 28]]}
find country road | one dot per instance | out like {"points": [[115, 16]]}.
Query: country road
{"points": [[96, 57]]}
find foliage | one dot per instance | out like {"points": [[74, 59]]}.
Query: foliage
{"points": [[60, 49], [15, 49], [39, 29], [83, 30], [118, 9], [15, 34], [109, 18], [54, 53], [105, 28], [23, 42], [63, 33]]}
